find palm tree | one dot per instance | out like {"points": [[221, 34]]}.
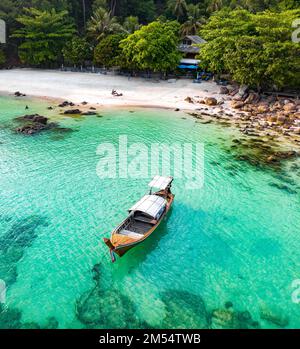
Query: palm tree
{"points": [[194, 22], [131, 24], [102, 24], [178, 8], [215, 5]]}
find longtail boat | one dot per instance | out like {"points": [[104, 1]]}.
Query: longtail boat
{"points": [[143, 219]]}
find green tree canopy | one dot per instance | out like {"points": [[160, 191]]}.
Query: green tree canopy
{"points": [[2, 57], [194, 22], [102, 23], [77, 51], [153, 47], [179, 9], [43, 35], [256, 49], [107, 52], [131, 24]]}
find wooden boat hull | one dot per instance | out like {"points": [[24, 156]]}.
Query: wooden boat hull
{"points": [[123, 249]]}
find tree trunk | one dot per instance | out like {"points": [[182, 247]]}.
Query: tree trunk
{"points": [[84, 13], [113, 5]]}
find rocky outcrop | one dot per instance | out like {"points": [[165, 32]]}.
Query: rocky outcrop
{"points": [[33, 124], [66, 104], [73, 112], [19, 94]]}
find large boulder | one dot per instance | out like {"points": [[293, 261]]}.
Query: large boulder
{"points": [[19, 94], [290, 107], [211, 101], [189, 100], [252, 98], [224, 90], [281, 119], [73, 112], [263, 108], [66, 104], [237, 104]]}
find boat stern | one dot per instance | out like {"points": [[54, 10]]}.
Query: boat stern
{"points": [[111, 247]]}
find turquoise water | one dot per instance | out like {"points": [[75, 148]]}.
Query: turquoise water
{"points": [[235, 240]]}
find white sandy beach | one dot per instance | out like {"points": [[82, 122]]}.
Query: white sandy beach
{"points": [[96, 88]]}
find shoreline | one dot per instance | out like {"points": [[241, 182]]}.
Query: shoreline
{"points": [[182, 95]]}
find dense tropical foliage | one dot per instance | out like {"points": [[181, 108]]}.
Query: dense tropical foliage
{"points": [[248, 39], [255, 49], [107, 52], [152, 48], [44, 34]]}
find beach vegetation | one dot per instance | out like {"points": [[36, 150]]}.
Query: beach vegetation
{"points": [[255, 49], [153, 47], [103, 23], [107, 52], [42, 34], [248, 40], [77, 51], [131, 24], [2, 57], [194, 22]]}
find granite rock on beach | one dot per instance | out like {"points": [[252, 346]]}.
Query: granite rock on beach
{"points": [[252, 113]]}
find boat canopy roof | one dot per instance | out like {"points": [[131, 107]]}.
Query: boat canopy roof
{"points": [[151, 205], [160, 182]]}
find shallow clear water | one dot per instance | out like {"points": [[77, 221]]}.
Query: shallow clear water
{"points": [[236, 239]]}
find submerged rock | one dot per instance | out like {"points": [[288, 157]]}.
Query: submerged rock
{"points": [[89, 113], [228, 318], [51, 323], [100, 308], [13, 243], [106, 309], [223, 319], [284, 187], [33, 124], [30, 326], [9, 318], [184, 310], [273, 316]]}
